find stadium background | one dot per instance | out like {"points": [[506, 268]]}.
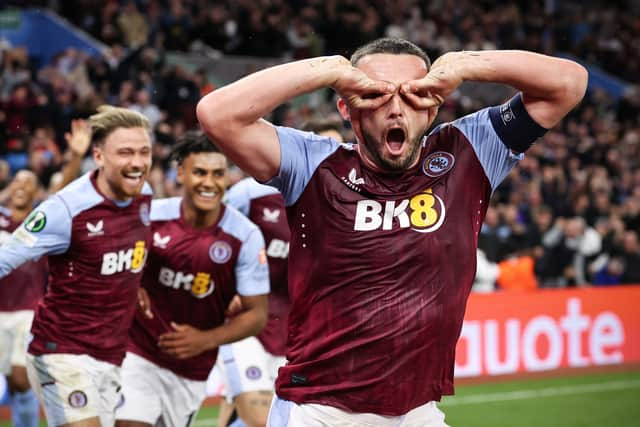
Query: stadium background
{"points": [[552, 333]]}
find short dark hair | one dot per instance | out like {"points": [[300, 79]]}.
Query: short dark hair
{"points": [[391, 45], [192, 142]]}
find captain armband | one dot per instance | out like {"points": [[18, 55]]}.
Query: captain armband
{"points": [[514, 125]]}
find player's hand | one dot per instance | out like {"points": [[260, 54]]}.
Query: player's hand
{"points": [[79, 139], [184, 341], [235, 306], [361, 92], [144, 303], [431, 90]]}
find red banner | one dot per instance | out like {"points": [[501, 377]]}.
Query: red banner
{"points": [[512, 332]]}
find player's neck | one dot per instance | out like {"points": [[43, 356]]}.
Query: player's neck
{"points": [[19, 214], [364, 156], [200, 219], [107, 190]]}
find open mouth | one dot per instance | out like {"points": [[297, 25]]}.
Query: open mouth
{"points": [[134, 177], [209, 195], [395, 140]]}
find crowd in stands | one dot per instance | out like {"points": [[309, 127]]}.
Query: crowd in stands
{"points": [[569, 215]]}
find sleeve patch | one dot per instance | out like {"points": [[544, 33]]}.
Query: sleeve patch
{"points": [[24, 237]]}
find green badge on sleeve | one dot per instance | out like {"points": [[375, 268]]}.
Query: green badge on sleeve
{"points": [[35, 222]]}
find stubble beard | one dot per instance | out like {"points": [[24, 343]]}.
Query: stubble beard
{"points": [[393, 166]]}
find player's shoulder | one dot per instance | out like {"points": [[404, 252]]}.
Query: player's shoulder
{"points": [[234, 223], [252, 189], [476, 117], [318, 144], [165, 209], [79, 195], [146, 189], [467, 126]]}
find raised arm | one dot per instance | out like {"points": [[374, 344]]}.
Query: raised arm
{"points": [[232, 115], [78, 142], [550, 86]]}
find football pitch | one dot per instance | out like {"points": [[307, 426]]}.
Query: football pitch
{"points": [[587, 400]]}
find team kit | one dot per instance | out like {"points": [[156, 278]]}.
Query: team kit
{"points": [[327, 289]]}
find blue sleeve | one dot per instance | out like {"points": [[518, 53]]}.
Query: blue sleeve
{"points": [[238, 196], [46, 231], [496, 158], [301, 153], [252, 271]]}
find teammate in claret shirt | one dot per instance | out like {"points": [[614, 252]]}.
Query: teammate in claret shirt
{"points": [[96, 232], [20, 292], [203, 253], [384, 232], [249, 367]]}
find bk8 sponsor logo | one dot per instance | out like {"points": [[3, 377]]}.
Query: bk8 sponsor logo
{"points": [[200, 285], [278, 249], [424, 213], [132, 259]]}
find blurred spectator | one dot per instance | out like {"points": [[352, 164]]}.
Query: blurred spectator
{"points": [[202, 81], [303, 39], [217, 28], [631, 258], [14, 70], [610, 273], [517, 274], [587, 166], [144, 106], [486, 274], [5, 175], [569, 246], [176, 26], [18, 109], [489, 240], [181, 95], [331, 126], [17, 156], [133, 25]]}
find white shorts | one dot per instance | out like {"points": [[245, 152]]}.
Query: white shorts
{"points": [[74, 387], [156, 395], [14, 333], [285, 413], [246, 366]]}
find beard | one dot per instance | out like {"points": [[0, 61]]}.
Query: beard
{"points": [[396, 165]]}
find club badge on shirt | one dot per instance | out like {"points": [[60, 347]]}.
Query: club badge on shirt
{"points": [[438, 163], [144, 214], [220, 252]]}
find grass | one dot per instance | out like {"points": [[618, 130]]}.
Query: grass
{"points": [[580, 401], [592, 400]]}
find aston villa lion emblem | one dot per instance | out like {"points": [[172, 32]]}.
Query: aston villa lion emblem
{"points": [[438, 163]]}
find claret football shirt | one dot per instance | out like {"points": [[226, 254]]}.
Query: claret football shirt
{"points": [[380, 266], [96, 250]]}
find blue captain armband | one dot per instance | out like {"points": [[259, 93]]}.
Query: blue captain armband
{"points": [[514, 125]]}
